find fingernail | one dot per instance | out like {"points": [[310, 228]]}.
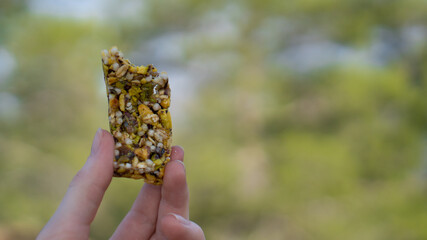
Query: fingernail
{"points": [[180, 219], [96, 142], [183, 165], [179, 146], [176, 149]]}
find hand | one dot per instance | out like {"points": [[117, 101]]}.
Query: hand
{"points": [[159, 212]]}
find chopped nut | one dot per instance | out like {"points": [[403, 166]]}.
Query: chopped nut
{"points": [[105, 53], [168, 143], [122, 70], [132, 69], [158, 162], [123, 159], [129, 76], [144, 110], [141, 165], [122, 102], [165, 103], [112, 80], [143, 153], [156, 107], [149, 162], [150, 119], [160, 135], [153, 148], [163, 75], [142, 70], [117, 134], [114, 104], [150, 133], [159, 81], [128, 141], [135, 162], [165, 118], [136, 176], [150, 178], [162, 172], [115, 66], [114, 50]]}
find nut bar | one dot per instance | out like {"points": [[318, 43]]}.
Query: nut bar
{"points": [[139, 99]]}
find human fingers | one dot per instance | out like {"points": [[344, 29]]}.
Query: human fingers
{"points": [[175, 190], [140, 222], [176, 227], [80, 204], [142, 217], [177, 153]]}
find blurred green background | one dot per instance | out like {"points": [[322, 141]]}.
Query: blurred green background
{"points": [[300, 119]]}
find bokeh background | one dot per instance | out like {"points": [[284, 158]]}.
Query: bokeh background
{"points": [[300, 119]]}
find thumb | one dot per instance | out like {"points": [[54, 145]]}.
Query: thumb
{"points": [[175, 227], [84, 195]]}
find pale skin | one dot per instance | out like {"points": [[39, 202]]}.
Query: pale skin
{"points": [[159, 212]]}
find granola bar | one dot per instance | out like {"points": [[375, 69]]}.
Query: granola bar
{"points": [[139, 99]]}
